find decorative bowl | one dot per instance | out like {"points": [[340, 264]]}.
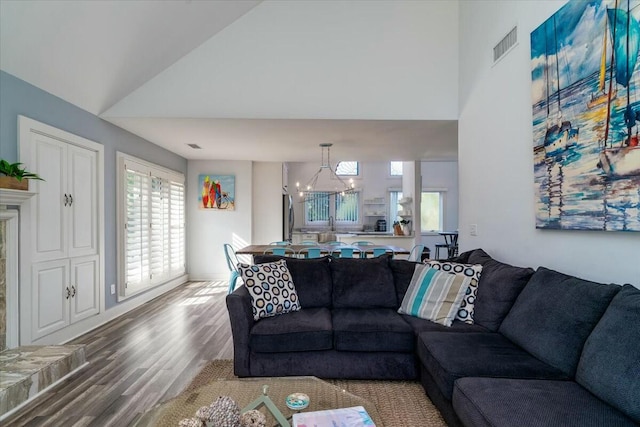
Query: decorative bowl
{"points": [[297, 401]]}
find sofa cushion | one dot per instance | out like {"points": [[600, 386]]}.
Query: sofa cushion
{"points": [[309, 329], [378, 329], [434, 295], [363, 283], [312, 278], [448, 356], [531, 403], [402, 271], [500, 284], [422, 325], [465, 312], [609, 366], [554, 315], [271, 288]]}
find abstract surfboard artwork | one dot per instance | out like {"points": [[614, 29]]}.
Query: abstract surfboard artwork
{"points": [[217, 192]]}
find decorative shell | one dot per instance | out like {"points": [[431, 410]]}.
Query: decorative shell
{"points": [[190, 422], [204, 414], [225, 412], [253, 418]]}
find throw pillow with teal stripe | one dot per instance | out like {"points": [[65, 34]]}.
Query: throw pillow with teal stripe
{"points": [[434, 295]]}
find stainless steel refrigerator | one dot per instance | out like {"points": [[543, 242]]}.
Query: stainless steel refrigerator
{"points": [[288, 217]]}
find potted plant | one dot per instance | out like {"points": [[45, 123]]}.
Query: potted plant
{"points": [[14, 177]]}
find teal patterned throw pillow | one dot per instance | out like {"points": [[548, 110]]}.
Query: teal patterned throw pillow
{"points": [[434, 295]]}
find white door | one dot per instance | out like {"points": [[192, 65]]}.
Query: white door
{"points": [[84, 288], [49, 159], [83, 202], [50, 292]]}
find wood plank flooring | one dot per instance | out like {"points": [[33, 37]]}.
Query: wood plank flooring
{"points": [[144, 357]]}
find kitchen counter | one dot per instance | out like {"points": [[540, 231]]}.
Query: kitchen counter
{"points": [[378, 238]]}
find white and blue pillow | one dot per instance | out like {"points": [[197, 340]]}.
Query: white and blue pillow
{"points": [[271, 288], [434, 295], [465, 312]]}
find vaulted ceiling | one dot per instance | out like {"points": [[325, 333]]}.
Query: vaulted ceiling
{"points": [[250, 80]]}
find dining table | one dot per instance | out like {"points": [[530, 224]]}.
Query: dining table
{"points": [[324, 249]]}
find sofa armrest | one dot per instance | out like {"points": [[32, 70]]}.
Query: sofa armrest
{"points": [[241, 318]]}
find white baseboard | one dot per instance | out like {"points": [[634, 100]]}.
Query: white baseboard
{"points": [[208, 277]]}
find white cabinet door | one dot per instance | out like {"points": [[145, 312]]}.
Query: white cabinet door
{"points": [[50, 297], [84, 290], [49, 158], [83, 202]]}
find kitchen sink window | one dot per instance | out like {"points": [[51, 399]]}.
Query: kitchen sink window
{"points": [[344, 209]]}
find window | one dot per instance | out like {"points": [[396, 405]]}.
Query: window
{"points": [[320, 205], [348, 168], [431, 211], [395, 168], [151, 225], [395, 207]]}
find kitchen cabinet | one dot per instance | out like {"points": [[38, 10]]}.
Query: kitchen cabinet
{"points": [[298, 238]]}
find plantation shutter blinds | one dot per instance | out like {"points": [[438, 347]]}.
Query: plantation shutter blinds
{"points": [[176, 227], [154, 235], [347, 207]]}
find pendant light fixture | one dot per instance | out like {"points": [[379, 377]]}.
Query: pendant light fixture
{"points": [[343, 187]]}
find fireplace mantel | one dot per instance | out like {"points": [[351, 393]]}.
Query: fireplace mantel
{"points": [[10, 197], [14, 197]]}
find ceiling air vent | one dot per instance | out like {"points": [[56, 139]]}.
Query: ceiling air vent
{"points": [[504, 46], [195, 146]]}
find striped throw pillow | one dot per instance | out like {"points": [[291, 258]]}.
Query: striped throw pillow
{"points": [[434, 295]]}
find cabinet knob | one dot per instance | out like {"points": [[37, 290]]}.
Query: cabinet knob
{"points": [[70, 199], [68, 293], [73, 291], [66, 199]]}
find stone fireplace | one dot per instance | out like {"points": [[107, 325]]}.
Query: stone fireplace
{"points": [[8, 279], [3, 285]]}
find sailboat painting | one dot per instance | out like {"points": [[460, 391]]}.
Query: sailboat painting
{"points": [[586, 117]]}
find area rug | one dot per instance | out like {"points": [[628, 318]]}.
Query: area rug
{"points": [[399, 403]]}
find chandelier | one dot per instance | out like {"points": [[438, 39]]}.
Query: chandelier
{"points": [[307, 192]]}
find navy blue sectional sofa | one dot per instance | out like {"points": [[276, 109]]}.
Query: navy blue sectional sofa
{"points": [[545, 349]]}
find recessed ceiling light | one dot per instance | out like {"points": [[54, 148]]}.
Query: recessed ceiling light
{"points": [[195, 146]]}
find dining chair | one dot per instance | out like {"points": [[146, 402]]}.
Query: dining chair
{"points": [[232, 263], [379, 251], [416, 253], [280, 250], [363, 254], [343, 251], [310, 252]]}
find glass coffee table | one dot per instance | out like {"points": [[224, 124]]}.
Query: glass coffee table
{"points": [[322, 395]]}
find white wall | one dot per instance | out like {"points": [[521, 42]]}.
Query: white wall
{"points": [[208, 230], [496, 160], [267, 202]]}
